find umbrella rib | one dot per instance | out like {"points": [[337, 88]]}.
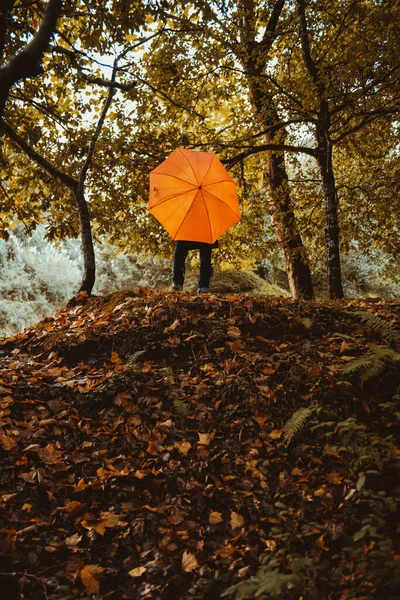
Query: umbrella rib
{"points": [[171, 197], [190, 165], [209, 167], [208, 214], [178, 178], [223, 202]]}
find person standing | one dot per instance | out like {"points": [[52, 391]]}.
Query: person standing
{"points": [[181, 251]]}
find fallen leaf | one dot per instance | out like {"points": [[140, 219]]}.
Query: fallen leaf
{"points": [[7, 442], [189, 562], [215, 517], [115, 358], [206, 438], [92, 586], [73, 540], [335, 477], [100, 524], [183, 447], [276, 434], [137, 571], [236, 520]]}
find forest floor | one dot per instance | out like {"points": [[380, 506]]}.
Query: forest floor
{"points": [[169, 446]]}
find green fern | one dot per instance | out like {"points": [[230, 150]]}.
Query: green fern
{"points": [[297, 422], [265, 582], [181, 408], [372, 364], [375, 324]]}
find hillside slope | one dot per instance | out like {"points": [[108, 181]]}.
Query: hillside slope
{"points": [[163, 445]]}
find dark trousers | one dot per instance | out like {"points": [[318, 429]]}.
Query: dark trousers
{"points": [[180, 254]]}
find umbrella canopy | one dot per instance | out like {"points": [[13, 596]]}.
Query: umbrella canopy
{"points": [[193, 196]]}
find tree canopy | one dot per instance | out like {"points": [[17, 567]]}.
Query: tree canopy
{"points": [[299, 99]]}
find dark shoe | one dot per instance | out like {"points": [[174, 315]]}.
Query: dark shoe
{"points": [[203, 290], [177, 287]]}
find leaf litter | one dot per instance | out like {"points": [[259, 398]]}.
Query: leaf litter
{"points": [[146, 454]]}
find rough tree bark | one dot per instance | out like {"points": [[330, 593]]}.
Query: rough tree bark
{"points": [[284, 221], [324, 158], [26, 63]]}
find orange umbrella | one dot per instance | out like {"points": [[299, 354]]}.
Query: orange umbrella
{"points": [[193, 196]]}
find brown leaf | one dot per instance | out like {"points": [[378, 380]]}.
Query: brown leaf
{"points": [[183, 447], [206, 438], [189, 562], [99, 525], [276, 434], [92, 586], [73, 540], [236, 520], [137, 571], [7, 442], [335, 477], [215, 517]]}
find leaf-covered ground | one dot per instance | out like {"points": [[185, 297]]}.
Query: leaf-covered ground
{"points": [[163, 445]]}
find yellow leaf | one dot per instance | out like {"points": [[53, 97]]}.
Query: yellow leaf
{"points": [[137, 571], [215, 517], [100, 524], [276, 434], [320, 492], [183, 447], [236, 520], [91, 584], [27, 507], [189, 562], [335, 477], [206, 438]]}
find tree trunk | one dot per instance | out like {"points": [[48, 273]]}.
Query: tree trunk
{"points": [[283, 219], [331, 215], [324, 157], [286, 231], [89, 260]]}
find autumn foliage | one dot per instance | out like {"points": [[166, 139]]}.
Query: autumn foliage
{"points": [[163, 445]]}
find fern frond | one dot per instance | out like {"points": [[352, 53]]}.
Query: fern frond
{"points": [[362, 362], [296, 423], [376, 324], [181, 409], [375, 362]]}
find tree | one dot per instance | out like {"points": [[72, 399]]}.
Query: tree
{"points": [[341, 75], [27, 62], [231, 30]]}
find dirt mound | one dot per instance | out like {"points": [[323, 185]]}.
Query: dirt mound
{"points": [[166, 445]]}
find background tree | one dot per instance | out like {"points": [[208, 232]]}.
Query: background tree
{"points": [[27, 62]]}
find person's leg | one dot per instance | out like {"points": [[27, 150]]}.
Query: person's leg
{"points": [[180, 254], [205, 268]]}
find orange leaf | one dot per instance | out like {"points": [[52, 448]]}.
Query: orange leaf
{"points": [[236, 520], [189, 562], [215, 517], [335, 477], [7, 442], [91, 584], [276, 434], [115, 358], [100, 524], [183, 447]]}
